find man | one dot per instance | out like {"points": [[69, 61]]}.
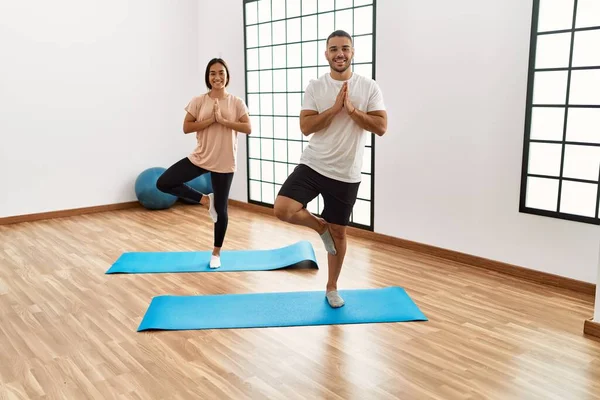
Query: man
{"points": [[339, 109]]}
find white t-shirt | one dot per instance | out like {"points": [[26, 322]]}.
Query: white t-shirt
{"points": [[337, 151]]}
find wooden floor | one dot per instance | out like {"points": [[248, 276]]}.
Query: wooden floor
{"points": [[69, 331]]}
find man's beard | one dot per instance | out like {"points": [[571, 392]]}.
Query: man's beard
{"points": [[333, 65]]}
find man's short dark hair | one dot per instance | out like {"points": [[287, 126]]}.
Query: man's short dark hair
{"points": [[339, 33]]}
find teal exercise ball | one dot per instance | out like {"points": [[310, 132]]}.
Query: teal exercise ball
{"points": [[202, 184], [148, 194]]}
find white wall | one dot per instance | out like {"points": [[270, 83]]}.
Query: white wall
{"points": [[228, 44], [91, 93], [454, 76]]}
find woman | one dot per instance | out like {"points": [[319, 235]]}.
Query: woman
{"points": [[216, 117]]}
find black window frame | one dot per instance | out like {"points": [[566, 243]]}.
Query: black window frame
{"points": [[372, 140], [523, 208]]}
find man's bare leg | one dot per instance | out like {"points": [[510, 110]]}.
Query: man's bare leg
{"points": [[334, 263], [292, 211]]}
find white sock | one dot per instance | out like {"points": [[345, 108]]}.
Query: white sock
{"points": [[328, 242], [211, 207], [334, 299], [215, 261]]}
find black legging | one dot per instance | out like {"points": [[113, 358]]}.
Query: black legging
{"points": [[173, 180]]}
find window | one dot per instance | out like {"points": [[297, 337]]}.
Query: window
{"points": [[561, 160], [285, 44]]}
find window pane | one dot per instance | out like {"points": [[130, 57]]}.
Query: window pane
{"points": [[267, 171], [585, 87], [294, 152], [364, 70], [366, 161], [309, 28], [294, 104], [542, 194], [339, 4], [294, 132], [321, 204], [279, 57], [361, 213], [363, 20], [293, 55], [326, 5], [547, 123], [544, 159], [266, 149], [280, 127], [280, 104], [268, 193], [363, 49], [585, 48], [313, 206], [293, 8], [550, 87], [251, 13], [266, 81], [326, 26], [343, 21], [281, 173], [264, 10], [255, 121], [278, 9], [252, 36], [255, 169], [254, 104], [307, 75], [362, 2], [309, 7], [281, 150], [291, 167], [279, 32], [253, 82], [322, 71], [266, 104], [252, 59], [364, 190], [581, 162], [555, 15], [265, 56], [255, 191], [254, 147], [588, 13], [293, 30], [578, 198], [309, 53], [552, 51], [279, 80], [266, 127], [321, 47], [294, 80], [583, 125], [264, 34]]}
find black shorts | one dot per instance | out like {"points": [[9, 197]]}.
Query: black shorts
{"points": [[304, 184]]}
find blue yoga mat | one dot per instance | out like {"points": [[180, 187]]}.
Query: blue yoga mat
{"points": [[256, 310], [300, 254]]}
